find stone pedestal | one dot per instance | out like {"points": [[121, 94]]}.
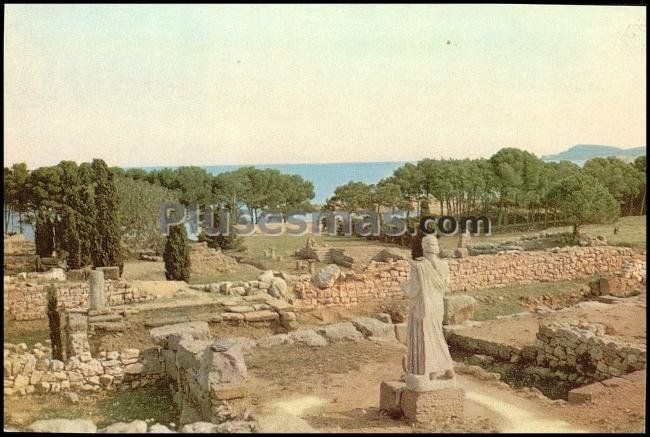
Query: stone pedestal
{"points": [[97, 294], [432, 406], [77, 334]]}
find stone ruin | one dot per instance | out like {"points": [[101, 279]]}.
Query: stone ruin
{"points": [[206, 261], [207, 376], [586, 350]]}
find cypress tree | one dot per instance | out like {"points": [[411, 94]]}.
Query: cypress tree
{"points": [[177, 254], [108, 250], [70, 240], [86, 226], [43, 235], [55, 324]]}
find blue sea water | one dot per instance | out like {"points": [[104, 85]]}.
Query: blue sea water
{"points": [[325, 177]]}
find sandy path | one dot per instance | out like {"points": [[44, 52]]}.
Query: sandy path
{"points": [[524, 417]]}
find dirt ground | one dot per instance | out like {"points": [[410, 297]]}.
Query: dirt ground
{"points": [[336, 389]]}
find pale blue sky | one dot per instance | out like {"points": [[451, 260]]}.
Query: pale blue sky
{"points": [[215, 84]]}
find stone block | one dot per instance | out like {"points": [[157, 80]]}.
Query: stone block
{"points": [[232, 317], [240, 309], [279, 304], [370, 327], [343, 331], [390, 394], [76, 322], [169, 335], [586, 393], [429, 407], [109, 326], [263, 315], [307, 337]]}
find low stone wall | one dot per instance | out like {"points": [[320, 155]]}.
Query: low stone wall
{"points": [[34, 371], [586, 349], [379, 280], [382, 279], [518, 268], [25, 299], [580, 353]]}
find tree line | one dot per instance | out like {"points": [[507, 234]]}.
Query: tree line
{"points": [[85, 210], [73, 209], [512, 186], [247, 187], [80, 210]]}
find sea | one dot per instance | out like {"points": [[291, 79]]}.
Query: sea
{"points": [[325, 177]]}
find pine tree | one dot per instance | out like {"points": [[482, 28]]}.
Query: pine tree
{"points": [[177, 254], [108, 250]]}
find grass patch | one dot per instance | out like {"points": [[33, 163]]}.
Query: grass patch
{"points": [[26, 331], [504, 301], [151, 402], [631, 232], [489, 312], [102, 408]]}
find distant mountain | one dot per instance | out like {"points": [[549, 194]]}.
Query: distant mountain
{"points": [[583, 152]]}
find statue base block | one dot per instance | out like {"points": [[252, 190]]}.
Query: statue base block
{"points": [[390, 394], [432, 406]]}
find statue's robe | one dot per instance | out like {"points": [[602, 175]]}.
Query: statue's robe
{"points": [[427, 349]]}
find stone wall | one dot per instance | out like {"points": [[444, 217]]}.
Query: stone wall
{"points": [[34, 371], [378, 281], [517, 268], [25, 299], [382, 279], [580, 352], [624, 283], [585, 349]]}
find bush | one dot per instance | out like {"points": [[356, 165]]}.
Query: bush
{"points": [[232, 241]]}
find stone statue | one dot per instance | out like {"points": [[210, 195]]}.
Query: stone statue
{"points": [[428, 364]]}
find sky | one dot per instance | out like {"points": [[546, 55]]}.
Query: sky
{"points": [[145, 85]]}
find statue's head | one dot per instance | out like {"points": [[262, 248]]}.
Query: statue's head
{"points": [[430, 244]]}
